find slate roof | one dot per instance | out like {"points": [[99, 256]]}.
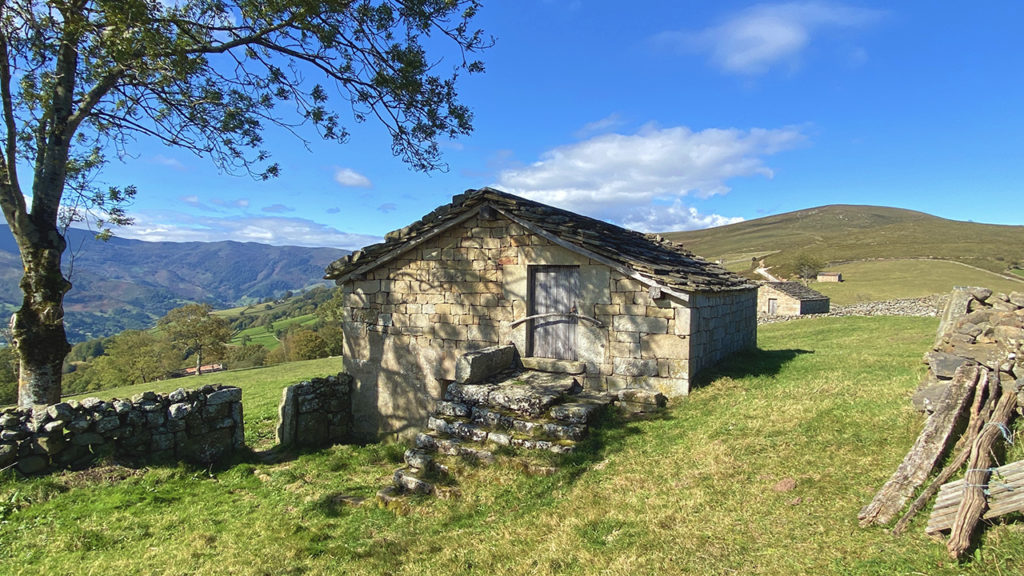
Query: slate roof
{"points": [[649, 256], [797, 290]]}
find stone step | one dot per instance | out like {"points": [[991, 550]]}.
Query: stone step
{"points": [[480, 433], [528, 393], [423, 461], [581, 409], [407, 481], [503, 422], [444, 444]]}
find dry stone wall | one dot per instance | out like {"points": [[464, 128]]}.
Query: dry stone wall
{"points": [[203, 425], [316, 412], [979, 327]]}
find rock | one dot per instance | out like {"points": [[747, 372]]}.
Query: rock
{"points": [[419, 459], [640, 396], [60, 411], [177, 396], [179, 410], [94, 404], [122, 407], [227, 394], [980, 294], [8, 453], [10, 420], [944, 365], [33, 464], [1017, 299], [56, 426], [87, 439], [107, 424]]}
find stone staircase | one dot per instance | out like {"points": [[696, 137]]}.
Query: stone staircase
{"points": [[528, 409]]}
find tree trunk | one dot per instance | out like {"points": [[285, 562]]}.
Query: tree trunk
{"points": [[37, 329], [199, 361]]}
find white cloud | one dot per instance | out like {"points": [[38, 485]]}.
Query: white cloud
{"points": [[754, 40], [674, 218], [277, 209], [599, 126], [351, 178], [167, 161], [623, 178], [279, 231]]}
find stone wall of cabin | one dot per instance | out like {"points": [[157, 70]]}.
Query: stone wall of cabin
{"points": [[410, 318], [722, 323]]}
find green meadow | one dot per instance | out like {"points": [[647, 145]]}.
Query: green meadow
{"points": [[761, 470]]}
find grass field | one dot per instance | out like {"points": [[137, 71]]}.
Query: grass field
{"points": [[888, 279], [260, 334], [824, 402]]}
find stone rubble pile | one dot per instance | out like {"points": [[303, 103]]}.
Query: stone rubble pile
{"points": [[203, 425]]}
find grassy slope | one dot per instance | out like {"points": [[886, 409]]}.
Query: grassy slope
{"points": [[824, 402], [841, 232], [888, 279]]}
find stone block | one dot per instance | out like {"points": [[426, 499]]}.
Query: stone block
{"points": [[664, 346], [477, 366], [635, 367], [683, 327], [640, 324], [227, 394]]}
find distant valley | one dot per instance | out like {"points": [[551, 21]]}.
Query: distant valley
{"points": [[126, 284]]}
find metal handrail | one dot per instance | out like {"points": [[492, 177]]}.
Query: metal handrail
{"points": [[550, 314]]}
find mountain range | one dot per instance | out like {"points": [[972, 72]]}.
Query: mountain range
{"points": [[122, 284]]}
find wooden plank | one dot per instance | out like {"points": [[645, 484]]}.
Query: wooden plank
{"points": [[981, 410], [974, 503], [1006, 495], [926, 452]]}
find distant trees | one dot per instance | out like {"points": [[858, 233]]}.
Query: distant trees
{"points": [[808, 266], [196, 331]]}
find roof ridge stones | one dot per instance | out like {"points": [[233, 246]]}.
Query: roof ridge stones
{"points": [[660, 260], [797, 290]]}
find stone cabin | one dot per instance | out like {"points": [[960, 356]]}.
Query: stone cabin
{"points": [[619, 308], [830, 277], [790, 299]]}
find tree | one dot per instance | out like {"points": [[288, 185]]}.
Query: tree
{"points": [[82, 78], [196, 331], [137, 357], [807, 266]]}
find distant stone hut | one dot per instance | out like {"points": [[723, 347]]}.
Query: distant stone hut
{"points": [[790, 299], [619, 308], [830, 277]]}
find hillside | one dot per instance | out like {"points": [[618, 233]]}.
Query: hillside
{"points": [[840, 233], [126, 284]]}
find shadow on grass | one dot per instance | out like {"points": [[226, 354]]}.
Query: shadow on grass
{"points": [[748, 363]]}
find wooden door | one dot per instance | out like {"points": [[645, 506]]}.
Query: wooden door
{"points": [[554, 290], [773, 306]]}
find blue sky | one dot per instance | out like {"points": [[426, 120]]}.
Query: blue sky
{"points": [[664, 116]]}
